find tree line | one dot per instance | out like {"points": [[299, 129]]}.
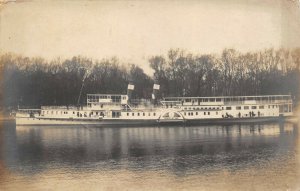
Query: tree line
{"points": [[35, 81], [230, 73]]}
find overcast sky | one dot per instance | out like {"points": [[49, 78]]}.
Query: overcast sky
{"points": [[135, 30]]}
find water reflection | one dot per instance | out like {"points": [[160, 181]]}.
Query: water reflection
{"points": [[214, 157]]}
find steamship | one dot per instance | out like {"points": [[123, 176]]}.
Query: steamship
{"points": [[115, 109]]}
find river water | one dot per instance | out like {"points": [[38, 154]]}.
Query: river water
{"points": [[239, 157]]}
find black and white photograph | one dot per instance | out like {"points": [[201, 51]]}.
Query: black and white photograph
{"points": [[134, 95]]}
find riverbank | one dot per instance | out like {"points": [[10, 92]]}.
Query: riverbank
{"points": [[4, 117]]}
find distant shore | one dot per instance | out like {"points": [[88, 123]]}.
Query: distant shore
{"points": [[4, 117]]}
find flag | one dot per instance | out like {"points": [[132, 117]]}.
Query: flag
{"points": [[156, 86], [130, 87]]}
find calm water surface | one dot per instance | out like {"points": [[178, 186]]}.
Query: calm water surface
{"points": [[246, 157]]}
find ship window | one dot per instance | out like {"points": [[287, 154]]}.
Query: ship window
{"points": [[127, 114], [149, 114], [205, 108], [204, 113], [246, 107], [143, 114], [97, 113], [269, 106], [208, 113], [228, 108], [253, 107], [154, 114], [261, 107], [238, 107], [132, 114], [196, 113], [216, 113], [74, 112], [192, 113], [273, 106], [184, 113], [138, 114]]}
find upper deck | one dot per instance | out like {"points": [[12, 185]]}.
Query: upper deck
{"points": [[106, 98], [227, 100]]}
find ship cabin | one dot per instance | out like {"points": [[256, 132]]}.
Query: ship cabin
{"points": [[233, 106], [109, 105], [98, 106], [119, 106], [106, 101]]}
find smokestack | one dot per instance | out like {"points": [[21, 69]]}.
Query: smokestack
{"points": [[130, 89], [156, 88]]}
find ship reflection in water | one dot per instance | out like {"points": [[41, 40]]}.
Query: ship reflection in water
{"points": [[258, 157]]}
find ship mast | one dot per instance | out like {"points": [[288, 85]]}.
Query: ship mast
{"points": [[86, 74]]}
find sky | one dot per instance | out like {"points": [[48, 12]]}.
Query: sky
{"points": [[134, 31]]}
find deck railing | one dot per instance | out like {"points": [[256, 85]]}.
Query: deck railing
{"points": [[229, 100], [60, 107]]}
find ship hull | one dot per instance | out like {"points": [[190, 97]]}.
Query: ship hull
{"points": [[149, 122]]}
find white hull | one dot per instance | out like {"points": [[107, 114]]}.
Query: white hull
{"points": [[122, 122], [193, 110], [35, 121]]}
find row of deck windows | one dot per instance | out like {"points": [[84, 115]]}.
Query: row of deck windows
{"points": [[196, 113], [56, 112], [230, 108], [252, 107], [66, 112], [139, 114], [198, 108]]}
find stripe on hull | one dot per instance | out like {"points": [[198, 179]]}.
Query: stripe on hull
{"points": [[122, 122]]}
